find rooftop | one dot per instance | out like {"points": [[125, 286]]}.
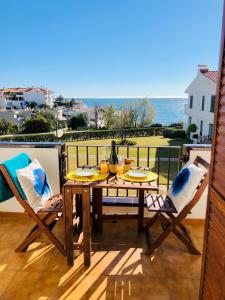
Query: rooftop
{"points": [[21, 90], [213, 75]]}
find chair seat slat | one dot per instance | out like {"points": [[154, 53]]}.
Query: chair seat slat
{"points": [[160, 203]]}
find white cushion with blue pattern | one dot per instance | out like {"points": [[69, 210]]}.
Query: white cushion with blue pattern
{"points": [[185, 185], [35, 185]]}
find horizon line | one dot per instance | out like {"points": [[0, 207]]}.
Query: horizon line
{"points": [[130, 97]]}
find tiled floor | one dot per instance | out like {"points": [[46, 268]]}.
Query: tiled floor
{"points": [[119, 269]]}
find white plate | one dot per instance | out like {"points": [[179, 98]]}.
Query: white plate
{"points": [[137, 173], [84, 173]]}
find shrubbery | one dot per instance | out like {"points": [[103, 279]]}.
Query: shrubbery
{"points": [[178, 124], [97, 135], [78, 121], [192, 128], [156, 125], [174, 133], [125, 142], [36, 125], [7, 127]]}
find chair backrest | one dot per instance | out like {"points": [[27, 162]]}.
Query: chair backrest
{"points": [[199, 162], [15, 191], [8, 172]]}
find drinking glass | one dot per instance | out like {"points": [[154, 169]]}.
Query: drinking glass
{"points": [[104, 167], [120, 166]]}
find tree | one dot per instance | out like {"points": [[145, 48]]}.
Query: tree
{"points": [[134, 112], [97, 112], [37, 124], [73, 103], [192, 128], [59, 100], [109, 116], [78, 121], [124, 118], [146, 114], [32, 104], [44, 106], [7, 127], [49, 116]]}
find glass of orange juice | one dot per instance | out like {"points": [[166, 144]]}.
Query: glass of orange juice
{"points": [[120, 167], [104, 167]]}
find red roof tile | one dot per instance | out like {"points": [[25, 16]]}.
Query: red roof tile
{"points": [[213, 75], [21, 90]]}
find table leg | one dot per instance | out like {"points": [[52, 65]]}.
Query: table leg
{"points": [[79, 211], [86, 226], [68, 221], [97, 210], [141, 210]]}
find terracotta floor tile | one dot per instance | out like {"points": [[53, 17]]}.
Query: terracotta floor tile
{"points": [[10, 260], [6, 278], [21, 286], [119, 269]]}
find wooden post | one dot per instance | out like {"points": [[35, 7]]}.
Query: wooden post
{"points": [[86, 226], [68, 217], [141, 210]]}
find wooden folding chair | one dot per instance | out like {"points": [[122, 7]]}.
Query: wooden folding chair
{"points": [[51, 211], [165, 210]]}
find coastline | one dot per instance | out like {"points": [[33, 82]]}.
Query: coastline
{"points": [[168, 110]]}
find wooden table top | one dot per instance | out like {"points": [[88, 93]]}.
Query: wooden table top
{"points": [[115, 182]]}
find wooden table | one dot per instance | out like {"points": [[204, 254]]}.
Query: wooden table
{"points": [[70, 189], [83, 190], [117, 184]]}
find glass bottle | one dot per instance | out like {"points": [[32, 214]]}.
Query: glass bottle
{"points": [[113, 160]]}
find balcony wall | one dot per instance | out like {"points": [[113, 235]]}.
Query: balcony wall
{"points": [[50, 159], [204, 151]]}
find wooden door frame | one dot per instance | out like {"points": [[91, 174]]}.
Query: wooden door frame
{"points": [[214, 143]]}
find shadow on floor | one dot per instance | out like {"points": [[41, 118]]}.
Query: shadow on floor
{"points": [[119, 268]]}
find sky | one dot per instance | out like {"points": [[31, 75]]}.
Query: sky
{"points": [[108, 48]]}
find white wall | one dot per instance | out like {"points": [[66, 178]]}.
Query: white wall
{"points": [[48, 158], [201, 86], [39, 97], [199, 211], [2, 102]]}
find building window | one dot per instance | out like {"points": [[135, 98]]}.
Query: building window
{"points": [[201, 128], [212, 105], [191, 102], [210, 130], [203, 103], [190, 120]]}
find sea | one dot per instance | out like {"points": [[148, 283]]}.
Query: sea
{"points": [[167, 110]]}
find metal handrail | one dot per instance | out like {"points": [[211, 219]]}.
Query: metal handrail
{"points": [[166, 161]]}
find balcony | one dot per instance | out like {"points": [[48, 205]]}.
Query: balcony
{"points": [[119, 267], [119, 270]]}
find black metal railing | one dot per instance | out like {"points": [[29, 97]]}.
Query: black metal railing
{"points": [[163, 160]]}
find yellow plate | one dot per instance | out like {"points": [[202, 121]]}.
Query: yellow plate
{"points": [[97, 176], [151, 177]]}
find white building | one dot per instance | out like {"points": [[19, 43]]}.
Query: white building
{"points": [[3, 103], [201, 101], [17, 97], [91, 114]]}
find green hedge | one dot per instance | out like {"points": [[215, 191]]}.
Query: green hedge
{"points": [[174, 133], [91, 135]]}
